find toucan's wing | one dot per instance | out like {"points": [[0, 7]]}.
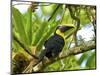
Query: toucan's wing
{"points": [[42, 54]]}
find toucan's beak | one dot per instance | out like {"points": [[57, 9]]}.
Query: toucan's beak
{"points": [[64, 28]]}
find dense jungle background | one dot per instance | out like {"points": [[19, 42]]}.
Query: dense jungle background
{"points": [[33, 23]]}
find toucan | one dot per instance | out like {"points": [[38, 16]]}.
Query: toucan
{"points": [[54, 44]]}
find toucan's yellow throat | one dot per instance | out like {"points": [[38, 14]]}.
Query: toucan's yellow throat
{"points": [[60, 33], [60, 30]]}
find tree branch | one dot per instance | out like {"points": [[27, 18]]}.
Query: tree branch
{"points": [[71, 51], [26, 49], [91, 16], [76, 18]]}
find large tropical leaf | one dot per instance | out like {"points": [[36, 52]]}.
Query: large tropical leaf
{"points": [[18, 21]]}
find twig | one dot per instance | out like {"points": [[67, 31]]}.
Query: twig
{"points": [[29, 68], [23, 46], [94, 19], [89, 14]]}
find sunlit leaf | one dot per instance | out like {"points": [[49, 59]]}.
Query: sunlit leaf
{"points": [[91, 61], [19, 24], [83, 58], [84, 18], [40, 32], [28, 25]]}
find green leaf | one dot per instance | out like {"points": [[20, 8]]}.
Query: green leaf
{"points": [[18, 21], [48, 10], [38, 35], [91, 61], [67, 18], [28, 25], [15, 46], [83, 18], [83, 58]]}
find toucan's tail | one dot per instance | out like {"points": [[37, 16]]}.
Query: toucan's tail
{"points": [[41, 57], [42, 54]]}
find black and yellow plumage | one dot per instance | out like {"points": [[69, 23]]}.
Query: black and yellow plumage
{"points": [[54, 45]]}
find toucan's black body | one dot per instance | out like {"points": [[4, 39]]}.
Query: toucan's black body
{"points": [[54, 46]]}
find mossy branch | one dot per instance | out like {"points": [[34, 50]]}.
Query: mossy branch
{"points": [[71, 51]]}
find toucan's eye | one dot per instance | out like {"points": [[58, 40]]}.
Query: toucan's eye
{"points": [[58, 27], [63, 28]]}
